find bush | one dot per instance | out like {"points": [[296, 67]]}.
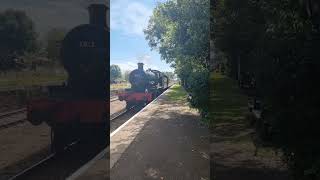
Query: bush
{"points": [[198, 88]]}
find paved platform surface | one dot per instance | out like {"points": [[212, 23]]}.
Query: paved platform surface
{"points": [[98, 171], [166, 140]]}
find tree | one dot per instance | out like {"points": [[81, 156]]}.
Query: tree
{"points": [[282, 53], [237, 28], [179, 30], [169, 74], [115, 72], [17, 34], [126, 75], [54, 39]]}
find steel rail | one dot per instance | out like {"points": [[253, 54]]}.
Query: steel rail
{"points": [[10, 113], [29, 169]]}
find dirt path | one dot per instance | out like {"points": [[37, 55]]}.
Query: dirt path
{"points": [[232, 142]]}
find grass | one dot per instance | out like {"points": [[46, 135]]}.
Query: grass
{"points": [[227, 102], [229, 114], [119, 86], [17, 80], [177, 93]]}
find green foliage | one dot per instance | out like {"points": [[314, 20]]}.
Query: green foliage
{"points": [[126, 75], [54, 39], [115, 72], [169, 74], [228, 103], [177, 93], [17, 34], [179, 30], [278, 43], [198, 87]]}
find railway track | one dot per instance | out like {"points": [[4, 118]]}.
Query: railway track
{"points": [[114, 127], [12, 118], [61, 166], [120, 113], [114, 99], [10, 113], [7, 120], [36, 165]]}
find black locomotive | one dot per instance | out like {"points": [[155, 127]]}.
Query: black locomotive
{"points": [[145, 86], [79, 111]]}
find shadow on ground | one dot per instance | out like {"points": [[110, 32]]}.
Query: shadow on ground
{"points": [[232, 146]]}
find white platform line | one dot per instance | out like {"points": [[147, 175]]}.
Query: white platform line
{"points": [[85, 167], [89, 164]]}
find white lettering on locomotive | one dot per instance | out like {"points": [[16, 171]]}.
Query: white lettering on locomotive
{"points": [[87, 44]]}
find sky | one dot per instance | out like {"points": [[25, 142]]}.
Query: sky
{"points": [[128, 18]]}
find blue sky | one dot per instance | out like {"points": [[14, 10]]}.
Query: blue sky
{"points": [[128, 18]]}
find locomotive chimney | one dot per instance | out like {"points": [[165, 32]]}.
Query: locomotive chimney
{"points": [[140, 66], [98, 14]]}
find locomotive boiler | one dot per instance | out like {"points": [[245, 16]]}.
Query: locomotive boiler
{"points": [[145, 86], [79, 110]]}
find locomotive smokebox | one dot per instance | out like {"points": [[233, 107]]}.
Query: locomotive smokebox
{"points": [[140, 66], [98, 14]]}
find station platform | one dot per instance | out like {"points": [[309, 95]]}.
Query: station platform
{"points": [[165, 140]]}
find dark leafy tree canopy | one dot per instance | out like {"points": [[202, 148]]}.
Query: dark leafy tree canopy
{"points": [[115, 72], [17, 35], [54, 39], [278, 41], [126, 75], [17, 32]]}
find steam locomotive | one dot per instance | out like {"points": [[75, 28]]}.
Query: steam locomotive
{"points": [[79, 110], [145, 86]]}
